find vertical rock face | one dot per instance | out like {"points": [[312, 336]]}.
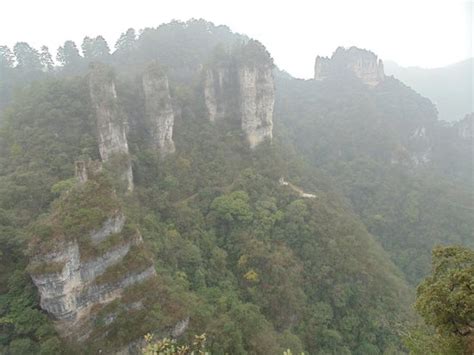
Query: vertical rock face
{"points": [[360, 62], [79, 270], [321, 67], [159, 110], [257, 94], [111, 123], [465, 127], [219, 85], [210, 95], [242, 84], [84, 169]]}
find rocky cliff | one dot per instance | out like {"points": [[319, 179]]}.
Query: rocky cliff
{"points": [[159, 109], [465, 127], [242, 85], [359, 62], [86, 258], [111, 123], [257, 94], [217, 88]]}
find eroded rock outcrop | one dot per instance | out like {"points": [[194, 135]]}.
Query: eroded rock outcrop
{"points": [[465, 127], [111, 122], [87, 256], [257, 100], [242, 84], [359, 62], [159, 109], [217, 87]]}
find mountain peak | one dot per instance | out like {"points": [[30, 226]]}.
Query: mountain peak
{"points": [[362, 63]]}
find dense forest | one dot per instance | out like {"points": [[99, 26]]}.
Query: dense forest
{"points": [[315, 240]]}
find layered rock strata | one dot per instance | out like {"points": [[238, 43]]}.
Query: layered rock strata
{"points": [[80, 270]]}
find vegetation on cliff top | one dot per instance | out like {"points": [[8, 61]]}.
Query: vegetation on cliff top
{"points": [[254, 265]]}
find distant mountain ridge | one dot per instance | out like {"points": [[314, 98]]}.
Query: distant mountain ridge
{"points": [[449, 87]]}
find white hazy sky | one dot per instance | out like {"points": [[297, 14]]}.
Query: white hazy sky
{"points": [[426, 33]]}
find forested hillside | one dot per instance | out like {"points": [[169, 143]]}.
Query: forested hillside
{"points": [[449, 87], [303, 225], [392, 158]]}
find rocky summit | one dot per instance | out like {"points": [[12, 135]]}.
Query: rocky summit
{"points": [[359, 62], [184, 191]]}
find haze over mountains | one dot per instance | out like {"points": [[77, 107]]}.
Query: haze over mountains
{"points": [[181, 184], [450, 88]]}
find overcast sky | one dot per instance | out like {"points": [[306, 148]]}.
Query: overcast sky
{"points": [[422, 33]]}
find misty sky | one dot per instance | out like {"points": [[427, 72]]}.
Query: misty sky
{"points": [[422, 33]]}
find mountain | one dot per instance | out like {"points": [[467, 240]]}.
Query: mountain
{"points": [[450, 87], [184, 185]]}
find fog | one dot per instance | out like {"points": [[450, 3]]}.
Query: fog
{"points": [[411, 33]]}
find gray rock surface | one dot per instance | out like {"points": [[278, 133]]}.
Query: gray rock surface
{"points": [[360, 62], [465, 127], [71, 293], [257, 94], [111, 122], [218, 86], [243, 90], [111, 226], [159, 110]]}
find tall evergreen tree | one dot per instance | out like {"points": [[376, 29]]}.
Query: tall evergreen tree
{"points": [[68, 54], [27, 58], [95, 49], [46, 59], [7, 57]]}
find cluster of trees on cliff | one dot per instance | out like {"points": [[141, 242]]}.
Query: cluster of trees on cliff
{"points": [[255, 266], [180, 46]]}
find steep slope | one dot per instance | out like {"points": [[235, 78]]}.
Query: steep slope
{"points": [[159, 109], [256, 264], [251, 263], [450, 88], [388, 154], [240, 83], [85, 256], [111, 123]]}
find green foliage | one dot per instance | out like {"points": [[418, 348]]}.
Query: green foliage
{"points": [[445, 299], [251, 263], [232, 208], [422, 339], [24, 329], [27, 58], [95, 49], [62, 186], [68, 56], [76, 213], [170, 346], [366, 144], [254, 54], [446, 302]]}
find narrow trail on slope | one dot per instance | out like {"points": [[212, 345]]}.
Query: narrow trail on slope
{"points": [[296, 189], [229, 187]]}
